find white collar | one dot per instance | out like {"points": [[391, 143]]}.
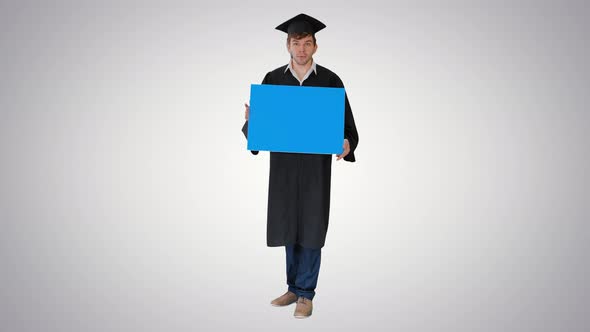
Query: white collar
{"points": [[312, 68]]}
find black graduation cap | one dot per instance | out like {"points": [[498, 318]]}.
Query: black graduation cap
{"points": [[301, 23]]}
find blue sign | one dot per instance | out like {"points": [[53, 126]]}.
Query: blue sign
{"points": [[298, 119]]}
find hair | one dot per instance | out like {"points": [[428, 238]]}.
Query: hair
{"points": [[298, 36]]}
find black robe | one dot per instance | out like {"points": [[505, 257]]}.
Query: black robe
{"points": [[299, 183]]}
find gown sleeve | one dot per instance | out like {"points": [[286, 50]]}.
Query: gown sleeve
{"points": [[266, 80], [350, 131]]}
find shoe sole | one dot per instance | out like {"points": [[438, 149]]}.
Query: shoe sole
{"points": [[301, 317]]}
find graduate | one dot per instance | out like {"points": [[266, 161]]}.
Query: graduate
{"points": [[299, 184]]}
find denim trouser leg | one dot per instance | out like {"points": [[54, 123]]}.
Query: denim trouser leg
{"points": [[291, 268], [303, 267]]}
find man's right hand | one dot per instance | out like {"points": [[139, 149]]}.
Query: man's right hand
{"points": [[247, 111]]}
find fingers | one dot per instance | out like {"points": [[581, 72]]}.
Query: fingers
{"points": [[343, 154], [247, 113], [345, 150]]}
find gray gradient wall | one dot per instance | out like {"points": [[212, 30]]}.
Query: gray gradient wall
{"points": [[128, 200]]}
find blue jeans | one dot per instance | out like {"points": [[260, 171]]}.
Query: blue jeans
{"points": [[303, 268]]}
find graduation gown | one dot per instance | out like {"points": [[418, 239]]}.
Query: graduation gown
{"points": [[299, 184]]}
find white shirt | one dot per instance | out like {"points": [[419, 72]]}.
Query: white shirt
{"points": [[312, 68]]}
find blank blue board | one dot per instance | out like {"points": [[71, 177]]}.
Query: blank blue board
{"points": [[297, 119]]}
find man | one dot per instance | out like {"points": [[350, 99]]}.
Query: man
{"points": [[299, 184]]}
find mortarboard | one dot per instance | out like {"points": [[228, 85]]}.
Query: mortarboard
{"points": [[301, 23]]}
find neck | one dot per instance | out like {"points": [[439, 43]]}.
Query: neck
{"points": [[301, 68]]}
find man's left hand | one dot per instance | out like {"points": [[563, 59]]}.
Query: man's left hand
{"points": [[346, 150]]}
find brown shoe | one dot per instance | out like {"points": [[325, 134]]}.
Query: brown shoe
{"points": [[304, 308], [285, 299]]}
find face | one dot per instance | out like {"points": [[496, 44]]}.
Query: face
{"points": [[302, 50]]}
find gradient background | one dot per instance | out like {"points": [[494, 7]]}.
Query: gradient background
{"points": [[128, 200]]}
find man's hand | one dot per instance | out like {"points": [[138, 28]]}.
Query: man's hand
{"points": [[346, 150], [247, 111]]}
